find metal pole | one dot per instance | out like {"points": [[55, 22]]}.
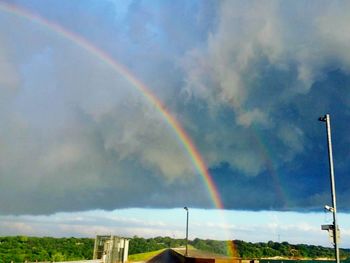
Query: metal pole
{"points": [[186, 254], [327, 119]]}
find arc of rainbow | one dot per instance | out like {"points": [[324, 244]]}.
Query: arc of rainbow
{"points": [[276, 183], [103, 56]]}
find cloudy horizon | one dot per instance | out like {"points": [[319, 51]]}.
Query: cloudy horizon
{"points": [[295, 228]]}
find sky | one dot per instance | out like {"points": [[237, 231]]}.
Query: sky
{"points": [[84, 150]]}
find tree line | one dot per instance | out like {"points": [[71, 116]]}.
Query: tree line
{"points": [[31, 249], [285, 250], [23, 248], [239, 248]]}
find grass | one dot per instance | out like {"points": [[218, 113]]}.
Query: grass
{"points": [[144, 256], [193, 252]]}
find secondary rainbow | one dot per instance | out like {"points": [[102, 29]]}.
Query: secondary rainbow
{"points": [[103, 56]]}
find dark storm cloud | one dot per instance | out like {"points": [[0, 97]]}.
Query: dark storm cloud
{"points": [[246, 80], [278, 68]]}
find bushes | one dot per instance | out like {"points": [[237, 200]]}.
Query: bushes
{"points": [[22, 248]]}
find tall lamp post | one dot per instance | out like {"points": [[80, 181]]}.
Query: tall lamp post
{"points": [[333, 229], [186, 253]]}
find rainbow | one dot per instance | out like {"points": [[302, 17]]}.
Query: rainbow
{"points": [[183, 137], [276, 183]]}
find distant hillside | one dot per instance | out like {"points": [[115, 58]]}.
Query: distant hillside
{"points": [[284, 249], [241, 248], [142, 245], [22, 248], [270, 249]]}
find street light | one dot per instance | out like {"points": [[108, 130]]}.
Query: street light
{"points": [[333, 229], [186, 254]]}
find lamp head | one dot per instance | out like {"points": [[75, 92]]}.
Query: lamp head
{"points": [[323, 119], [329, 208], [186, 208]]}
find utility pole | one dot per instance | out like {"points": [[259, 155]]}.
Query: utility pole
{"points": [[331, 228], [186, 254]]}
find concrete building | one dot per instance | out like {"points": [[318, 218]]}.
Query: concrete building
{"points": [[111, 249]]}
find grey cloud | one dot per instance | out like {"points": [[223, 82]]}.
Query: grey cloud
{"points": [[262, 56], [250, 35], [77, 132], [240, 77]]}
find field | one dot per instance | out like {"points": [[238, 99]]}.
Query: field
{"points": [[144, 256]]}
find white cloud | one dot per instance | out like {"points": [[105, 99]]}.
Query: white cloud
{"points": [[292, 137], [294, 228], [254, 116]]}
